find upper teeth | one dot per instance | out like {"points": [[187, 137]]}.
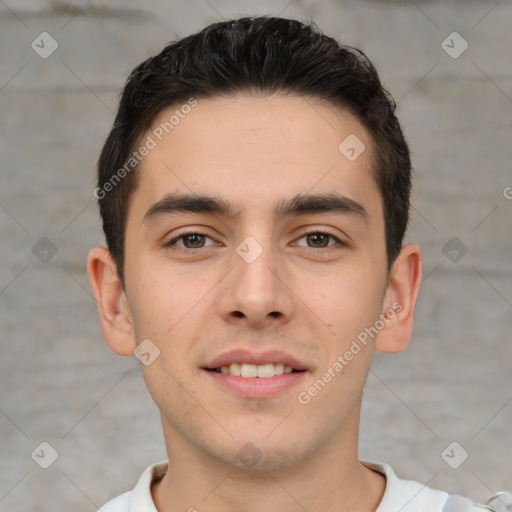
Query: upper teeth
{"points": [[256, 370]]}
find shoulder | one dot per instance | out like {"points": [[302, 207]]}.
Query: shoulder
{"points": [[456, 503], [412, 496], [406, 495], [119, 504], [139, 499]]}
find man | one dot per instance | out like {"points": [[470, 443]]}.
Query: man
{"points": [[254, 192]]}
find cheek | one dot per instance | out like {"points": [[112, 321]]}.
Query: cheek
{"points": [[162, 298], [168, 310], [346, 302], [174, 396]]}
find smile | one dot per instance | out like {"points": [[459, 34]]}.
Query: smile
{"points": [[253, 370]]}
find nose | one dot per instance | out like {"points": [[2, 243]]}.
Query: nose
{"points": [[256, 291]]}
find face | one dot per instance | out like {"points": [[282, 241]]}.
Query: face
{"points": [[254, 245]]}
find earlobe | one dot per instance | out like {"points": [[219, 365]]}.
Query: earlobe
{"points": [[400, 300], [115, 315]]}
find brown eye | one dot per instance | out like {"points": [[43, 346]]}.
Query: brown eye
{"points": [[320, 240], [194, 239], [191, 240]]}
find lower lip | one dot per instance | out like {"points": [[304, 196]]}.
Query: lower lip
{"points": [[256, 387]]}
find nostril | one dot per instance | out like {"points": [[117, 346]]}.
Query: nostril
{"points": [[238, 314]]}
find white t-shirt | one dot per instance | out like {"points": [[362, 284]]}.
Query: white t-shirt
{"points": [[399, 495]]}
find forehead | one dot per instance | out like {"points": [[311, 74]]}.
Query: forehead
{"points": [[255, 151]]}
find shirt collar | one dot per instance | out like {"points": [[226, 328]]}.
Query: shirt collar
{"points": [[406, 495], [403, 495], [140, 498]]}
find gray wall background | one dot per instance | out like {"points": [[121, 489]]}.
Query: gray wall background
{"points": [[61, 384]]}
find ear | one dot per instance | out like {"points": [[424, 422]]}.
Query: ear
{"points": [[399, 301], [115, 315]]}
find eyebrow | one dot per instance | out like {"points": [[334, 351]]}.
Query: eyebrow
{"points": [[300, 204]]}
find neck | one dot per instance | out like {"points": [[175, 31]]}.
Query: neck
{"points": [[330, 479]]}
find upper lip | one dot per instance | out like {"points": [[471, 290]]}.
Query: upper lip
{"points": [[257, 358]]}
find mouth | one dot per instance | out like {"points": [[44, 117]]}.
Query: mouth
{"points": [[255, 375], [260, 371]]}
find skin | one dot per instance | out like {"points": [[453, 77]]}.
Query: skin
{"points": [[307, 297]]}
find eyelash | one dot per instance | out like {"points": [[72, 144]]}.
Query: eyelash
{"points": [[172, 242]]}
